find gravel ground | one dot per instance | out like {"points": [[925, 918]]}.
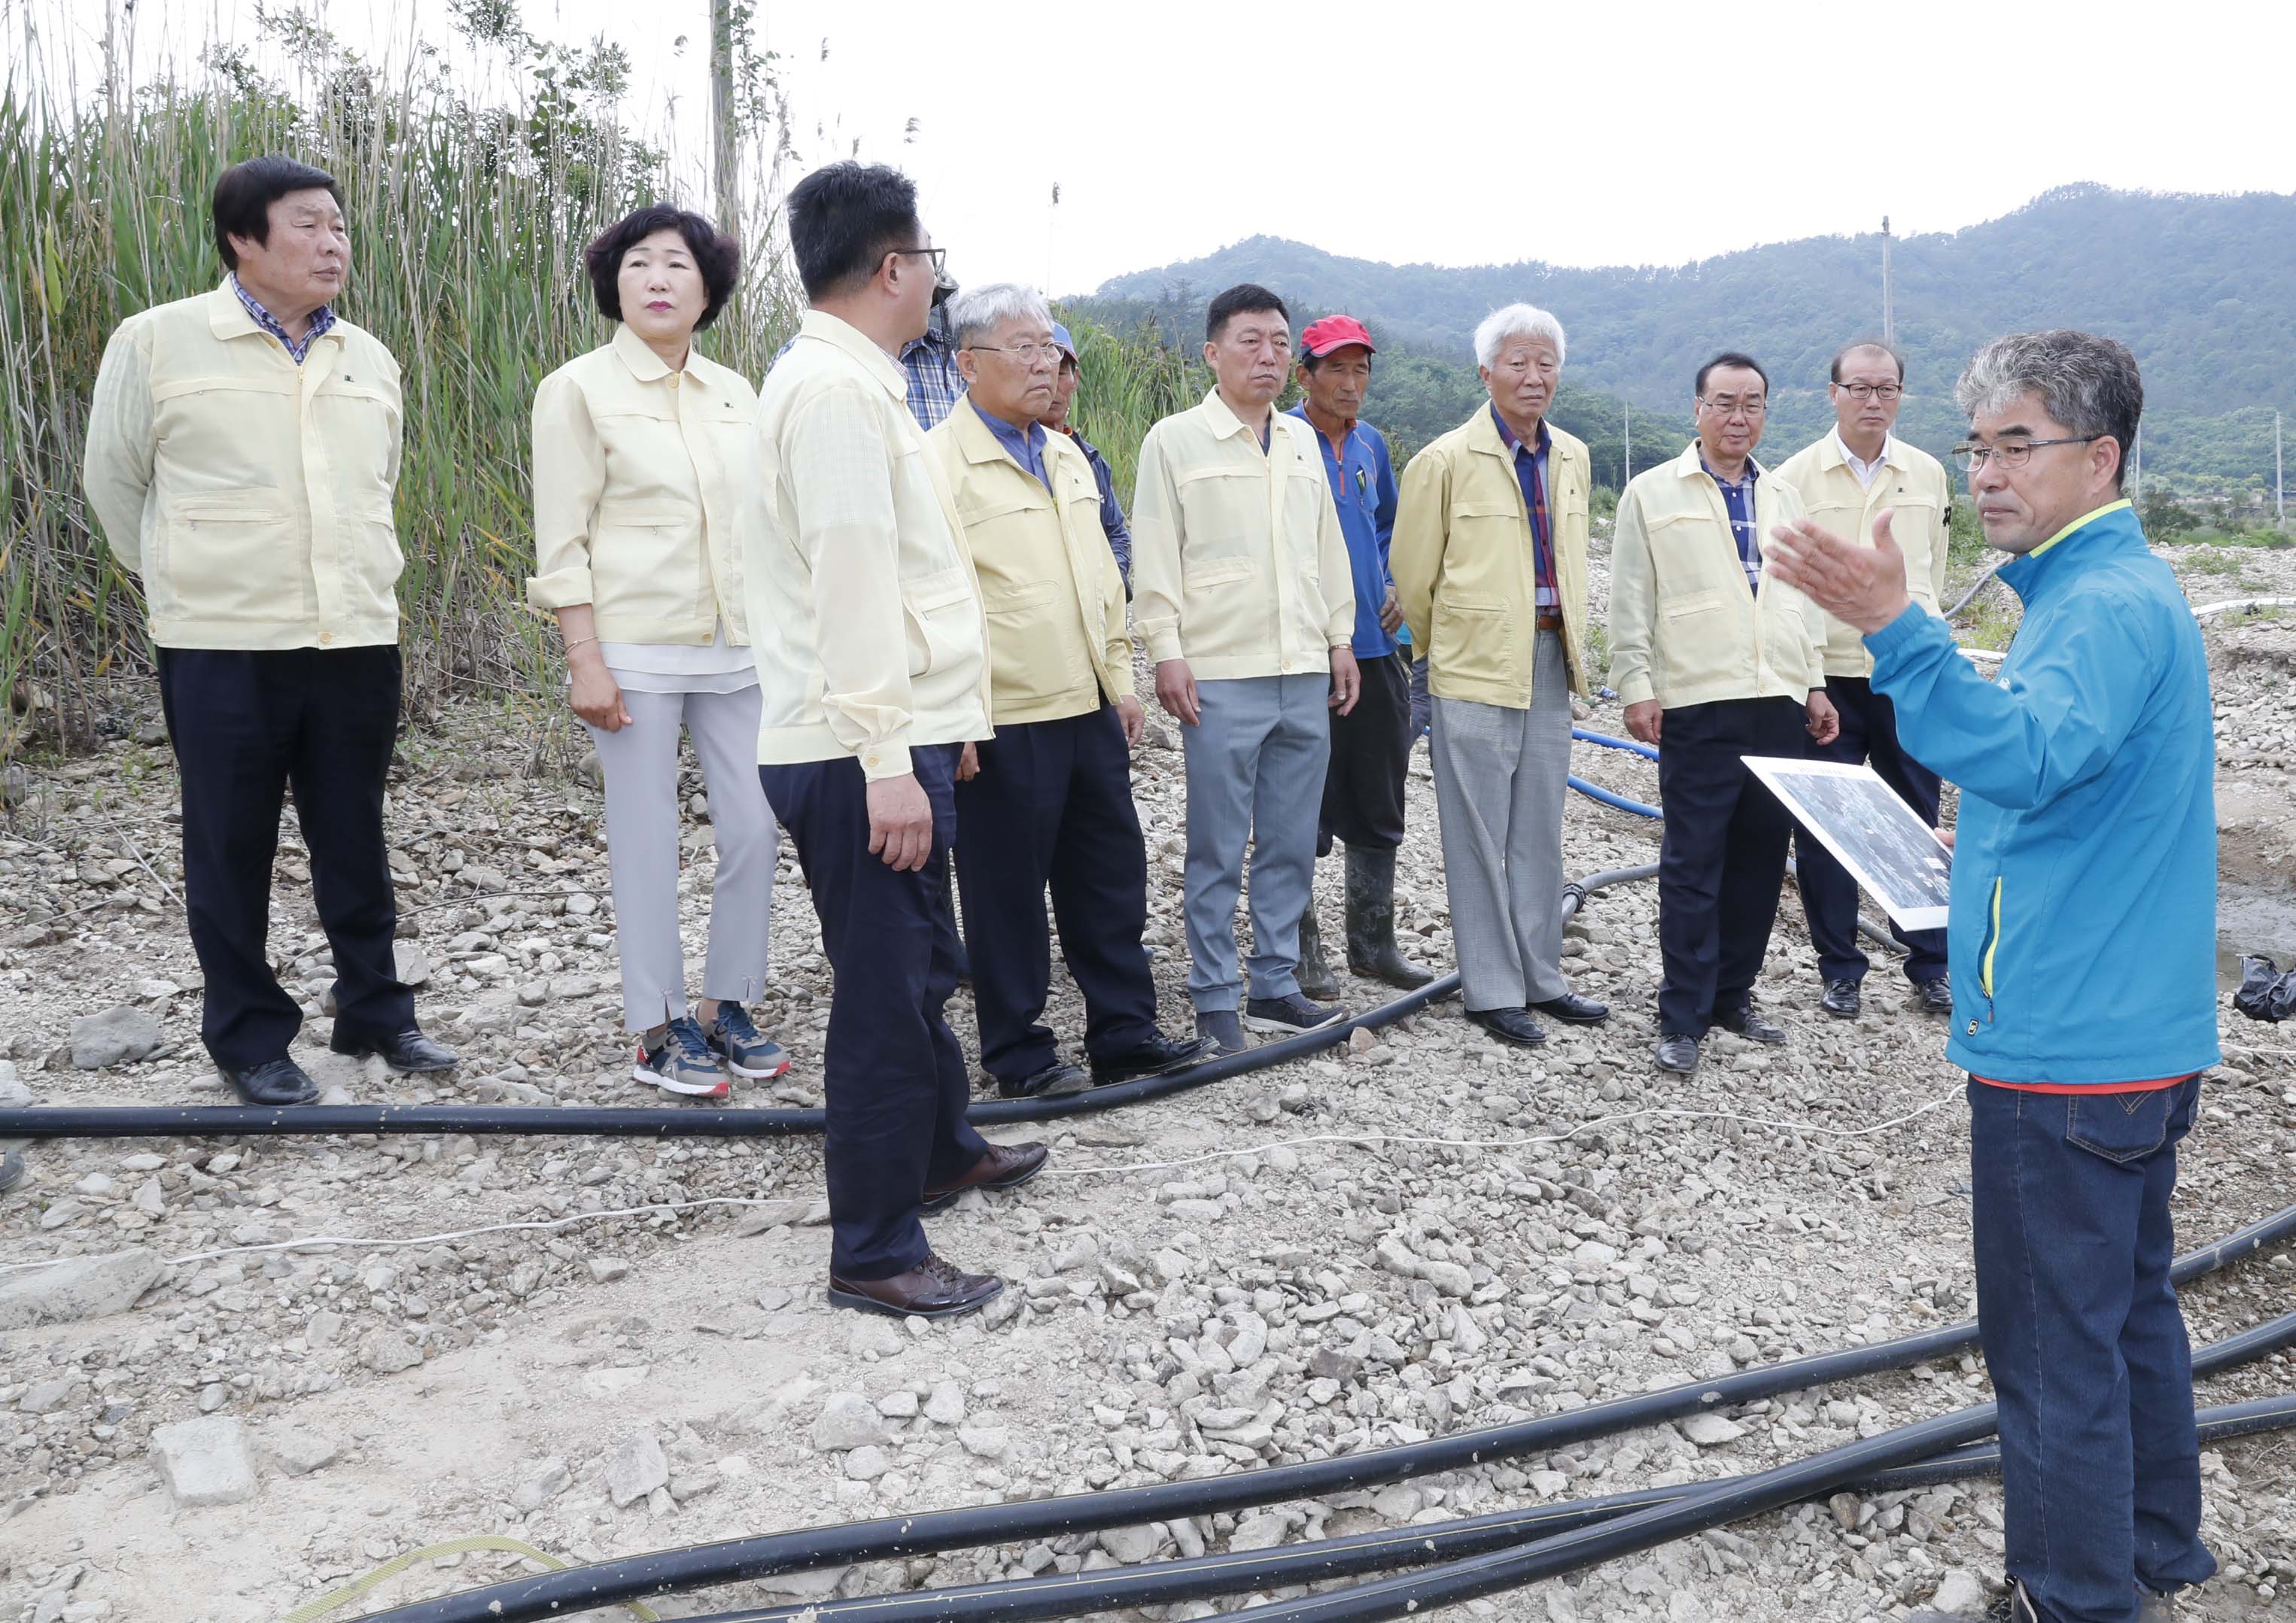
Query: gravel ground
{"points": [[1415, 1236]]}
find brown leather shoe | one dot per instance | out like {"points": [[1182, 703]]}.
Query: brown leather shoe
{"points": [[1004, 1166], [932, 1289]]}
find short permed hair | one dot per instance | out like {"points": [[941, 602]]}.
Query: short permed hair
{"points": [[844, 219], [1833, 372], [1245, 298], [716, 256], [245, 192], [1729, 358], [2087, 383]]}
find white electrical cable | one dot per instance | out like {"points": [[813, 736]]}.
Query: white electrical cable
{"points": [[1364, 1139]]}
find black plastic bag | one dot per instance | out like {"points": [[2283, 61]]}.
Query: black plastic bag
{"points": [[2265, 992]]}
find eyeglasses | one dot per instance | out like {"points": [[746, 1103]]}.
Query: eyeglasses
{"points": [[1027, 355], [1861, 392], [938, 256], [2011, 453], [1731, 409]]}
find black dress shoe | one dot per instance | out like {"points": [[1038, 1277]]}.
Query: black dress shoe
{"points": [[1841, 999], [1751, 1026], [1055, 1079], [1573, 1010], [410, 1050], [932, 1289], [1936, 996], [1158, 1056], [279, 1081], [1509, 1026], [12, 1170], [1677, 1052], [1004, 1166]]}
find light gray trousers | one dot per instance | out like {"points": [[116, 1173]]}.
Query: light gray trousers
{"points": [[1254, 774], [1500, 774], [640, 764]]}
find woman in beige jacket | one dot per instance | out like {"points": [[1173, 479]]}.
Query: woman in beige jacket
{"points": [[638, 451]]}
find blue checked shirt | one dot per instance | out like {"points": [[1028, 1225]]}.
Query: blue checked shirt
{"points": [[931, 362], [1738, 499], [322, 318]]}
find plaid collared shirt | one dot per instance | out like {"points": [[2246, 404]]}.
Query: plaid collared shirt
{"points": [[1738, 498], [321, 319], [1531, 473], [934, 380]]}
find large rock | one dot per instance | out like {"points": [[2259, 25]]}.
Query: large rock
{"points": [[850, 1421], [116, 1037], [386, 1352], [1710, 1430], [1960, 1596], [205, 1461], [636, 1469], [86, 1288]]}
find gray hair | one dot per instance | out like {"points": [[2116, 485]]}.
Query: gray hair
{"points": [[978, 312], [1515, 321], [2087, 382]]}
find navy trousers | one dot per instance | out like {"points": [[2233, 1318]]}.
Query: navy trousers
{"points": [[1829, 896], [896, 1083], [2084, 1343], [246, 726], [1371, 755], [1052, 806], [1722, 857]]}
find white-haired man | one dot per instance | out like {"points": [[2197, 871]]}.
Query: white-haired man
{"points": [[1048, 800], [1490, 557]]}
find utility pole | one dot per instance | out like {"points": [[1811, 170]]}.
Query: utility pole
{"points": [[2279, 489], [1889, 292], [1630, 443], [725, 171]]}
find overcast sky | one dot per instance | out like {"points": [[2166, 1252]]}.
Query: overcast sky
{"points": [[1449, 131]]}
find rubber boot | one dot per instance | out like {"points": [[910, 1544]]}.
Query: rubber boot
{"points": [[1370, 923], [1316, 978]]}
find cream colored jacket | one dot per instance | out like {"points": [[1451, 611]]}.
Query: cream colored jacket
{"points": [[1914, 488], [1684, 629], [864, 614], [253, 496], [1238, 561], [1054, 595], [641, 494], [1465, 574]]}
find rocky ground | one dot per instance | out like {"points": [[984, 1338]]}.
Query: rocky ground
{"points": [[1412, 1237]]}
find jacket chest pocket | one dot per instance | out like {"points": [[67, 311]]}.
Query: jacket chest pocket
{"points": [[938, 612], [1304, 496], [360, 427]]}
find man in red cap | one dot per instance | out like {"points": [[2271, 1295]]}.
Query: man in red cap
{"points": [[1370, 745]]}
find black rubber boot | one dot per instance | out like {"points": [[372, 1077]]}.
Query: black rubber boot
{"points": [[1316, 978], [1370, 923]]}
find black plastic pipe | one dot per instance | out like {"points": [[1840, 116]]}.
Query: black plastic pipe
{"points": [[686, 1121], [1733, 1499], [520, 1599], [1208, 1577]]}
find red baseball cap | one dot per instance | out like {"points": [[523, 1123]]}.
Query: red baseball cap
{"points": [[1320, 337]]}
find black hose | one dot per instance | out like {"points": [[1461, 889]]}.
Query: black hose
{"points": [[1732, 1499], [685, 1122], [768, 1555], [1207, 1577]]}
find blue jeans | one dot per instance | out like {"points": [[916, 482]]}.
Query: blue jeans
{"points": [[2100, 1464]]}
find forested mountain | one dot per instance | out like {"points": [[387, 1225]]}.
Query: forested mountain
{"points": [[2203, 288]]}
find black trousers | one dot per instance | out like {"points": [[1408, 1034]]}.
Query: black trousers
{"points": [[897, 1087], [1053, 805], [246, 726], [1829, 896], [1371, 749], [1722, 858]]}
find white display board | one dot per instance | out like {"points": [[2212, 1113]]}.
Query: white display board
{"points": [[1895, 856]]}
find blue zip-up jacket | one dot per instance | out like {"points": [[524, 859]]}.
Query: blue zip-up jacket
{"points": [[2083, 931], [1362, 490]]}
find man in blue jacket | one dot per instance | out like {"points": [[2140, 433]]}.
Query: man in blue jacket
{"points": [[2082, 941]]}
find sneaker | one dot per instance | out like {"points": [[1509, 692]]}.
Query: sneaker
{"points": [[747, 1051], [682, 1063], [1290, 1016], [1222, 1030]]}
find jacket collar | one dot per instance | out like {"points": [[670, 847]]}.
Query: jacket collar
{"points": [[1692, 463], [228, 318], [1225, 423], [842, 334], [638, 355], [979, 441], [2111, 529], [1833, 452]]}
